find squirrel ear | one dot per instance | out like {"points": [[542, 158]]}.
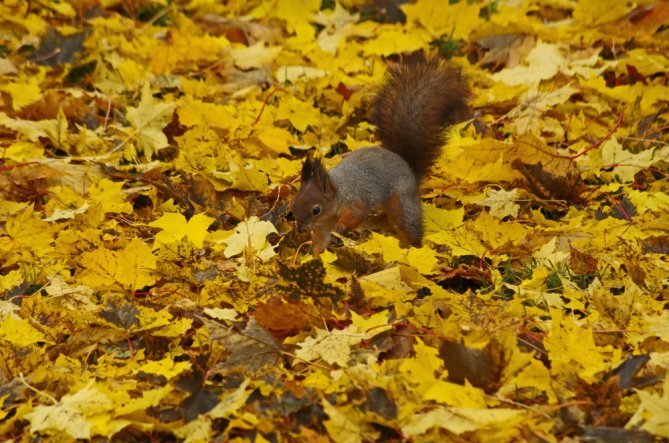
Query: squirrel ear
{"points": [[322, 178], [307, 170]]}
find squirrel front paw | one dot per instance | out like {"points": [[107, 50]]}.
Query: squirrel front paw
{"points": [[320, 241], [340, 228]]}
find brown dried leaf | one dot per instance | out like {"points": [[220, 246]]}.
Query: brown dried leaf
{"points": [[27, 183], [281, 318]]}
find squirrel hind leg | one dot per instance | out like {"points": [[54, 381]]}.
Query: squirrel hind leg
{"points": [[406, 215]]}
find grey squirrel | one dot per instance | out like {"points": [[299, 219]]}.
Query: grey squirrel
{"points": [[420, 99]]}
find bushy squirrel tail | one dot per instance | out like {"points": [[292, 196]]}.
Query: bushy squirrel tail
{"points": [[421, 98]]}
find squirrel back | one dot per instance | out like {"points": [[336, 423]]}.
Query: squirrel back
{"points": [[421, 98]]}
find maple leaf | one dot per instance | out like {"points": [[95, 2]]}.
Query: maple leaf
{"points": [[501, 203], [460, 420], [25, 91], [251, 234], [217, 104], [424, 259], [653, 412], [108, 194], [76, 414], [334, 347], [166, 367], [20, 332], [130, 268], [458, 19], [24, 229], [300, 114], [174, 227], [148, 120], [343, 428]]}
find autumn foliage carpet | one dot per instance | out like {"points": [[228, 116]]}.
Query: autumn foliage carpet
{"points": [[153, 286]]}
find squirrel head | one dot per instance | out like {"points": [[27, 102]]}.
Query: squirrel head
{"points": [[316, 199]]}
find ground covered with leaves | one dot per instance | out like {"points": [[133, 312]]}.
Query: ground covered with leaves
{"points": [[153, 286]]}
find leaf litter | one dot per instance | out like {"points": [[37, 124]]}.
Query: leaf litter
{"points": [[153, 286]]}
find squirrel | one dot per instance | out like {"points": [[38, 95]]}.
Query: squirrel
{"points": [[420, 99]]}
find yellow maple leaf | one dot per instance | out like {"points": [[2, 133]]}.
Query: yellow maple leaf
{"points": [[298, 73], [194, 112], [21, 151], [73, 414], [147, 400], [175, 227], [66, 214], [232, 401], [439, 220], [61, 8], [495, 233], [626, 163], [630, 94], [657, 202], [166, 367], [135, 266], [130, 268], [462, 241], [176, 328], [71, 297], [498, 93], [99, 268], [299, 113], [452, 394], [653, 412], [595, 12], [459, 420], [33, 130], [386, 245], [33, 23], [11, 279], [424, 259], [421, 369], [108, 194], [543, 63], [185, 50], [502, 203], [372, 325], [333, 347], [257, 55], [482, 162], [225, 314], [196, 431], [656, 326], [296, 15], [25, 230], [20, 332], [24, 91], [342, 424], [276, 139], [572, 350], [252, 234], [148, 120], [532, 375], [392, 39], [647, 63], [445, 18], [386, 286], [244, 176]]}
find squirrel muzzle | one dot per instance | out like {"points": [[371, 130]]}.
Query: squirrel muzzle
{"points": [[300, 227]]}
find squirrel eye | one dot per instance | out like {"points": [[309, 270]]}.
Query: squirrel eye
{"points": [[316, 210]]}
